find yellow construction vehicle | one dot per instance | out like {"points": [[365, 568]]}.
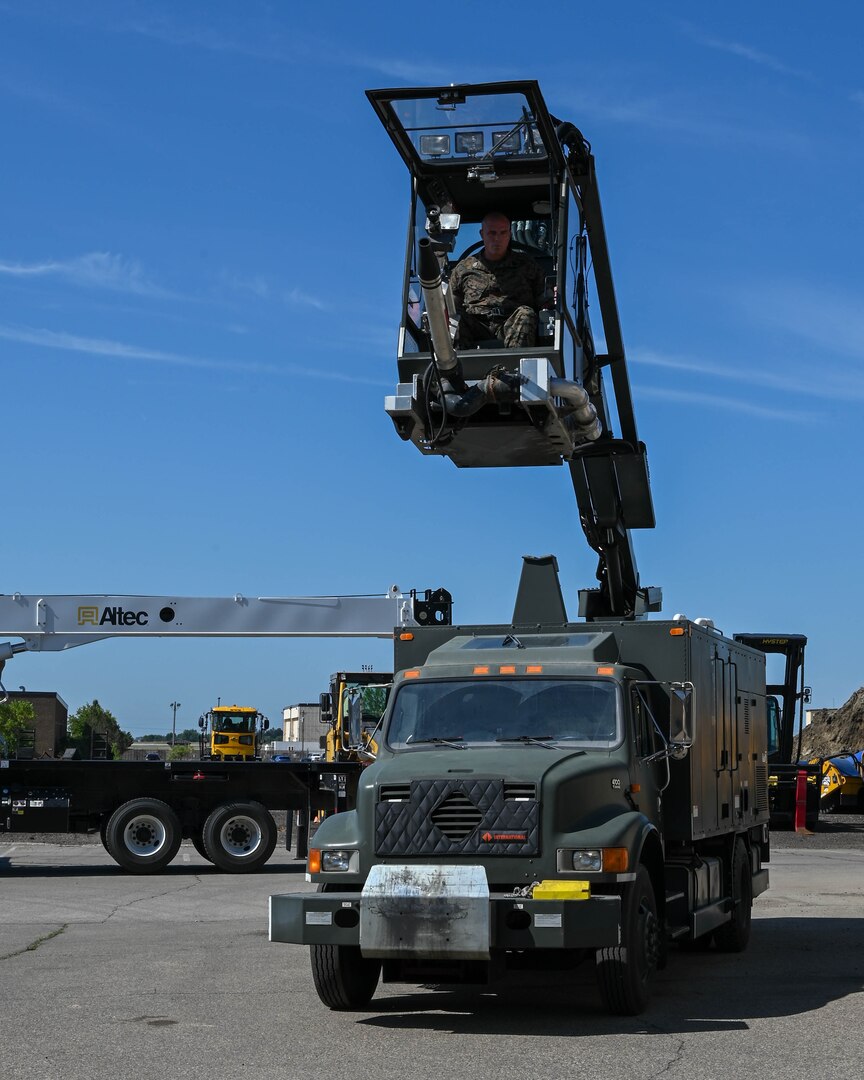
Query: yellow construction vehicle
{"points": [[353, 708], [232, 732]]}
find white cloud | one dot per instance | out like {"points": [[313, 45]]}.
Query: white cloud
{"points": [[97, 270], [828, 384], [830, 321], [728, 404], [263, 41], [656, 113], [301, 299], [118, 350], [745, 52]]}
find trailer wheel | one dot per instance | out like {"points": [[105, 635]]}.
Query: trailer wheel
{"points": [[733, 936], [343, 978], [143, 836], [624, 971], [239, 837]]}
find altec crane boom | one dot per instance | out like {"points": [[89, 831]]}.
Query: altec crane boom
{"points": [[54, 623]]}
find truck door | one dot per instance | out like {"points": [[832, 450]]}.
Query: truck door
{"points": [[651, 777]]}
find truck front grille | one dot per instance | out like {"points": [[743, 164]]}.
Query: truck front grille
{"points": [[456, 816], [394, 793], [520, 791]]}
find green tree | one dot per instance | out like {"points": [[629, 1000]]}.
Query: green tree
{"points": [[91, 718], [179, 752], [15, 716]]}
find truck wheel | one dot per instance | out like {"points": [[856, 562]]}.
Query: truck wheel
{"points": [[239, 837], [143, 836], [624, 971], [342, 977], [734, 935]]}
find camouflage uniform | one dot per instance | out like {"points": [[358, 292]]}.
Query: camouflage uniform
{"points": [[498, 299]]}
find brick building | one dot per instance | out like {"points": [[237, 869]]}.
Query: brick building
{"points": [[49, 728]]}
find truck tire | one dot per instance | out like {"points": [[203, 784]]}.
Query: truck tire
{"points": [[343, 978], [624, 971], [143, 836], [239, 837], [733, 936]]}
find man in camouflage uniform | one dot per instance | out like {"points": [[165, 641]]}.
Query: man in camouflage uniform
{"points": [[497, 291]]}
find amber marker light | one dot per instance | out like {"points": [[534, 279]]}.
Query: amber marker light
{"points": [[406, 636], [605, 670], [534, 669], [481, 669], [615, 860], [676, 631], [507, 669], [313, 863], [415, 674]]}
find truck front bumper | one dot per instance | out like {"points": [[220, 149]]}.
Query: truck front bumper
{"points": [[444, 917]]}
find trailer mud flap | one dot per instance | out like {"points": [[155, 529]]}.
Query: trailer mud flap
{"points": [[760, 882]]}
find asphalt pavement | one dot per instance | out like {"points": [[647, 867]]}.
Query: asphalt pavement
{"points": [[107, 974]]}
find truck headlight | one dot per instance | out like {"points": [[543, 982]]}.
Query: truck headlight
{"points": [[587, 859], [335, 861]]}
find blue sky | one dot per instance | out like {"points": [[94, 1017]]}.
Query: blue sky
{"points": [[200, 267]]}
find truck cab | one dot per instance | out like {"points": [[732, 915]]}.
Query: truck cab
{"points": [[232, 733]]}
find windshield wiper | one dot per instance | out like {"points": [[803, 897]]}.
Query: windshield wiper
{"points": [[540, 740], [453, 741]]}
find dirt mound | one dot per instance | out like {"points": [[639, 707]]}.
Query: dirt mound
{"points": [[832, 731]]}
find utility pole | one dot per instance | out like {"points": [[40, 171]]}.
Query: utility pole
{"points": [[175, 705]]}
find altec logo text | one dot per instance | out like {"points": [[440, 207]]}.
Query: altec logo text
{"points": [[113, 616]]}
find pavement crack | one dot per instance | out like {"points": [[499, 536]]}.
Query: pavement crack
{"points": [[38, 943], [151, 896], [674, 1059]]}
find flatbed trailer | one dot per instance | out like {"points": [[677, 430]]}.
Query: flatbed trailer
{"points": [[143, 809]]}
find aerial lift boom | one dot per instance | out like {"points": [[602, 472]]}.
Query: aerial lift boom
{"points": [[494, 146]]}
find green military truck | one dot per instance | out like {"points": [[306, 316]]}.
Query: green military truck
{"points": [[578, 789]]}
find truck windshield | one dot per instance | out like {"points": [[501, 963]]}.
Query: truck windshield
{"points": [[234, 723], [470, 127], [581, 712]]}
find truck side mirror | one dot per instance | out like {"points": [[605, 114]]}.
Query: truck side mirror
{"points": [[326, 706], [680, 719], [201, 722]]}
